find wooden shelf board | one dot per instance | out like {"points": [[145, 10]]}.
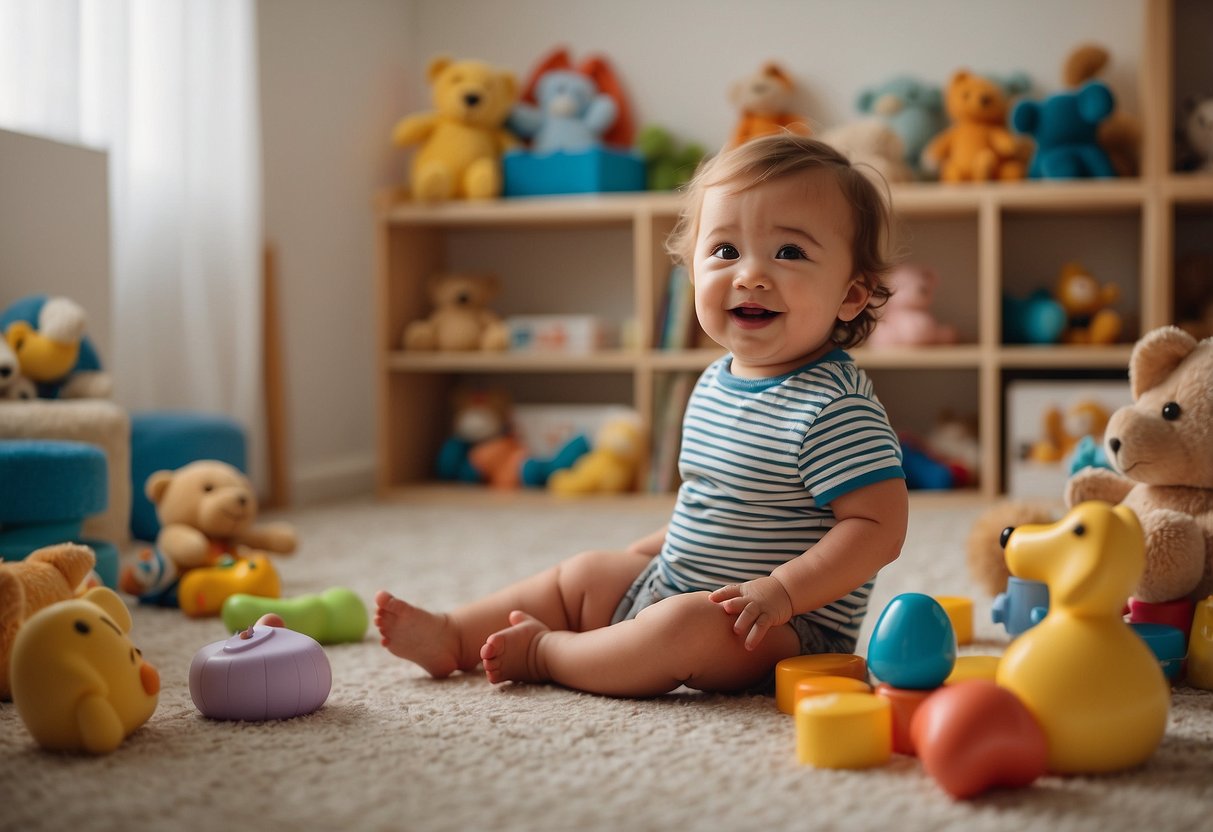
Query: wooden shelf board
{"points": [[571, 209], [512, 362], [1066, 357], [1190, 188], [960, 356]]}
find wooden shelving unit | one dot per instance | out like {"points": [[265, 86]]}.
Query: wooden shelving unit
{"points": [[415, 241]]}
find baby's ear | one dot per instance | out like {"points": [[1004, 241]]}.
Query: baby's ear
{"points": [[856, 299]]}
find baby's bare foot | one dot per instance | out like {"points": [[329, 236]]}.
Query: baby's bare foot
{"points": [[512, 654], [412, 633]]}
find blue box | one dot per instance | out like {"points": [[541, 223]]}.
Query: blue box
{"points": [[591, 171]]}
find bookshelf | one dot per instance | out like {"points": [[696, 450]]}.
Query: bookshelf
{"points": [[1013, 236]]}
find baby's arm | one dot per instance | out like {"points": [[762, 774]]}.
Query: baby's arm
{"points": [[650, 544], [870, 530]]}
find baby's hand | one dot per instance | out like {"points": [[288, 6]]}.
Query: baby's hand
{"points": [[759, 605]]}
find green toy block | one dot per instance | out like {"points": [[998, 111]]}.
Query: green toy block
{"points": [[331, 617]]}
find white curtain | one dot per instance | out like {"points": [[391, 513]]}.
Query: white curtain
{"points": [[169, 89]]}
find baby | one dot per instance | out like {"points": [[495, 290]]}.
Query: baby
{"points": [[793, 495]]}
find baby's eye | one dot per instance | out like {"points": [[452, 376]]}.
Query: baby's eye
{"points": [[790, 252], [725, 252]]}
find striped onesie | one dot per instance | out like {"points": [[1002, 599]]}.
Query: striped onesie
{"points": [[761, 460]]}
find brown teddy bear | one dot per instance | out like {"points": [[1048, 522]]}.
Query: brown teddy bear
{"points": [[1120, 133], [764, 100], [977, 147], [461, 319], [207, 509], [1162, 450], [462, 140], [49, 575]]}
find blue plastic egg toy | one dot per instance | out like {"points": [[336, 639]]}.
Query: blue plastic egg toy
{"points": [[913, 644]]}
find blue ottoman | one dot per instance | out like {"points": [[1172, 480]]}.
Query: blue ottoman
{"points": [[47, 488], [167, 440]]}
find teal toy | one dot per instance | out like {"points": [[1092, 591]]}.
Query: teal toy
{"points": [[1065, 127], [913, 644], [912, 109], [330, 617]]}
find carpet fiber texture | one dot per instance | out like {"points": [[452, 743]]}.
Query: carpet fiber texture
{"points": [[393, 749]]}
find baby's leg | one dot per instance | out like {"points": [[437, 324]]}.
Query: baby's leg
{"points": [[580, 593], [683, 640]]}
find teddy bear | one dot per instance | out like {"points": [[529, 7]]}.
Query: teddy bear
{"points": [[610, 467], [208, 512], [462, 139], [46, 576], [1120, 133], [461, 319], [906, 318], [872, 145], [1065, 127], [1063, 431], [1089, 318], [1160, 448], [567, 108], [47, 336], [764, 100], [976, 146], [1194, 149], [914, 111]]}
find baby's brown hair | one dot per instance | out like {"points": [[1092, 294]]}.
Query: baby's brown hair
{"points": [[773, 157]]}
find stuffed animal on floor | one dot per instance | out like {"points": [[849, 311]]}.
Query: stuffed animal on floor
{"points": [[79, 683], [46, 576], [906, 318], [461, 319], [572, 108], [914, 111], [13, 385], [1161, 447], [208, 515], [872, 145], [977, 146], [610, 467], [1120, 133], [764, 103], [47, 335], [461, 141], [1089, 316]]}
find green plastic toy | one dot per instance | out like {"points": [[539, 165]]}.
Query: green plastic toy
{"points": [[331, 617]]}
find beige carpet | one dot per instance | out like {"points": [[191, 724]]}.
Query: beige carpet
{"points": [[394, 750]]}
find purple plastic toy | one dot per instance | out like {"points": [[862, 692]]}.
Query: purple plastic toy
{"points": [[260, 673]]}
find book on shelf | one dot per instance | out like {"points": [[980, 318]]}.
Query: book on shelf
{"points": [[678, 311], [670, 401]]}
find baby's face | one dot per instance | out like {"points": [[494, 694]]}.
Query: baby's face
{"points": [[772, 271]]}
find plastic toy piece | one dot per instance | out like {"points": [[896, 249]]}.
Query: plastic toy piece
{"points": [[973, 667], [976, 736], [844, 730], [903, 704], [1177, 613], [79, 684], [960, 612], [1167, 643], [913, 644], [201, 592], [1021, 607], [331, 617], [260, 673], [1200, 647], [818, 685], [1092, 684], [790, 671]]}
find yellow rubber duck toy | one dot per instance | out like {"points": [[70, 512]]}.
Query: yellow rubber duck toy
{"points": [[1091, 682]]}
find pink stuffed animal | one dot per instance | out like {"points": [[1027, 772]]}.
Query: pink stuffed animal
{"points": [[906, 319]]}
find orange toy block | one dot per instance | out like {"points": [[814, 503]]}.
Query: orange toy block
{"points": [[960, 612], [817, 685], [790, 671], [903, 704], [973, 667], [844, 730]]}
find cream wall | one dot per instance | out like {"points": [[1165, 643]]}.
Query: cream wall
{"points": [[335, 76]]}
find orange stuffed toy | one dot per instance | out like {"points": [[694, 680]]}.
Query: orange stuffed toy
{"points": [[977, 147], [764, 99]]}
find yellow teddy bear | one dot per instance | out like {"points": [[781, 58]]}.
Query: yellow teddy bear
{"points": [[977, 147], [462, 140], [611, 467]]}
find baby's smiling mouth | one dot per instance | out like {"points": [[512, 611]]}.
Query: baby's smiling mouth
{"points": [[752, 312]]}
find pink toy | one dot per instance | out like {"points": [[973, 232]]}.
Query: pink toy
{"points": [[906, 319], [261, 673]]}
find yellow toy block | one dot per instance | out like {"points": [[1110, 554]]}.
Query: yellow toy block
{"points": [[960, 612], [790, 671], [844, 730], [818, 685], [1200, 646], [973, 667]]}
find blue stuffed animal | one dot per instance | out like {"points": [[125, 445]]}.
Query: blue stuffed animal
{"points": [[571, 116], [912, 109], [1065, 127]]}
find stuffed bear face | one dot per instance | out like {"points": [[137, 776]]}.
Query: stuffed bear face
{"points": [[1166, 436], [767, 92], [1198, 126], [463, 291], [565, 93], [971, 98], [208, 495], [471, 92]]}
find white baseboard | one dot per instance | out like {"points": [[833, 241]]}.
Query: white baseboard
{"points": [[334, 479]]}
